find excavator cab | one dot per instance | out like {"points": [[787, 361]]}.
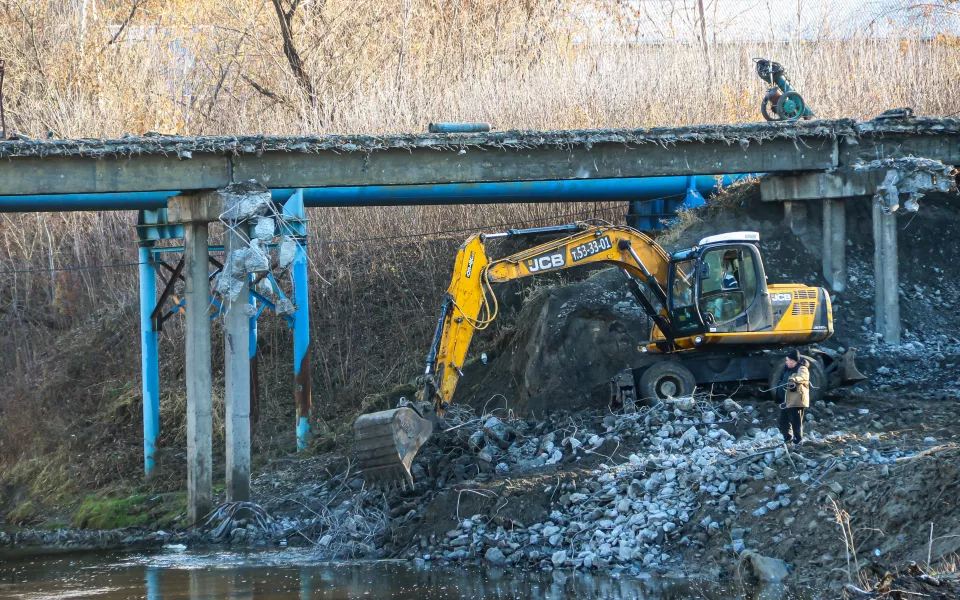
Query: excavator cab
{"points": [[719, 287]]}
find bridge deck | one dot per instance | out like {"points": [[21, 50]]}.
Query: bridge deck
{"points": [[160, 163]]}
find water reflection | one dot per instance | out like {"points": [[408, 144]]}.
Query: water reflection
{"points": [[295, 575]]}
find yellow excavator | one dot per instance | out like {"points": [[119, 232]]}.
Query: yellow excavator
{"points": [[715, 319]]}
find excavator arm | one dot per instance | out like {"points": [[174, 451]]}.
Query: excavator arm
{"points": [[388, 441]]}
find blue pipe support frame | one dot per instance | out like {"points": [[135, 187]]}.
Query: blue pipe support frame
{"points": [[295, 225], [149, 360], [599, 190], [254, 367]]}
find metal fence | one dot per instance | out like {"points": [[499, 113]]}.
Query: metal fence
{"points": [[727, 21]]}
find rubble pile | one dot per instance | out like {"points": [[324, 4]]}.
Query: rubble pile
{"points": [[621, 513]]}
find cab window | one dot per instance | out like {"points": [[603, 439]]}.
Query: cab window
{"points": [[722, 287], [682, 295]]}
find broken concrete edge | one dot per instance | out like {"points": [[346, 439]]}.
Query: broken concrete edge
{"points": [[185, 147], [884, 179], [911, 176]]}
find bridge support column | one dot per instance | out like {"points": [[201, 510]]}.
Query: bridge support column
{"points": [[835, 243], [795, 216], [886, 274], [195, 211], [149, 359], [236, 352]]}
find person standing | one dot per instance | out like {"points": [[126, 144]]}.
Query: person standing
{"points": [[794, 396]]}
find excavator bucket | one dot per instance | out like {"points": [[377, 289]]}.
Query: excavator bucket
{"points": [[849, 373], [386, 444]]}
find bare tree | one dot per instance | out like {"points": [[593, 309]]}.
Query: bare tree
{"points": [[285, 17]]}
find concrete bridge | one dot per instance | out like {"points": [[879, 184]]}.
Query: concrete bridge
{"points": [[828, 161]]}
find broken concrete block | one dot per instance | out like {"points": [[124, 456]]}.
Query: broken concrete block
{"points": [[909, 176], [762, 568], [285, 307], [256, 258], [265, 288], [498, 432], [286, 252], [245, 200], [266, 229]]}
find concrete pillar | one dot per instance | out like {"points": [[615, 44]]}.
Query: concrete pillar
{"points": [[886, 275], [835, 243], [149, 359], [236, 352], [199, 401], [795, 216], [194, 211]]}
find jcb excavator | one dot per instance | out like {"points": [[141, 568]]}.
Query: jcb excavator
{"points": [[715, 319]]}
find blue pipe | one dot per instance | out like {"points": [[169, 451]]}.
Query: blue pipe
{"points": [[150, 366], [606, 190]]}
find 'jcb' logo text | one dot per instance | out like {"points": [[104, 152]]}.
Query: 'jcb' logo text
{"points": [[547, 261]]}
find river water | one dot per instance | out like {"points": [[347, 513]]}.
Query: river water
{"points": [[175, 574]]}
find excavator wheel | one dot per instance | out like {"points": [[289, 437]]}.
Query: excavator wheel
{"points": [[667, 379], [818, 379], [386, 444]]}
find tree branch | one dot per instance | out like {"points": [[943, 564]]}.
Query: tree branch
{"points": [[290, 50], [123, 26]]}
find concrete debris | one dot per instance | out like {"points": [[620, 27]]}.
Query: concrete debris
{"points": [[762, 568], [911, 177], [266, 229], [265, 288], [256, 257], [231, 281], [285, 307], [286, 251], [245, 200]]}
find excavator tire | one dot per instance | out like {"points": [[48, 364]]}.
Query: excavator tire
{"points": [[386, 444], [818, 379], [667, 379]]}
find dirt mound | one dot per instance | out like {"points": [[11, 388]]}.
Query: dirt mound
{"points": [[563, 348]]}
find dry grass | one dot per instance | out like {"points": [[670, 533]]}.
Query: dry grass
{"points": [[69, 338]]}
